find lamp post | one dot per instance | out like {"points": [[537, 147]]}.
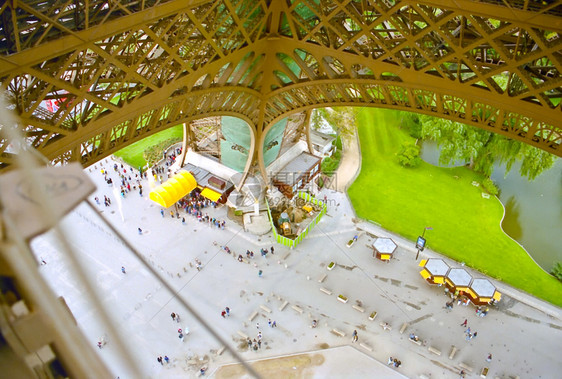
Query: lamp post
{"points": [[420, 243]]}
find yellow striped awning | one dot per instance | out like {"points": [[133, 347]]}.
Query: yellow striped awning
{"points": [[497, 296], [423, 262], [173, 189], [425, 274], [438, 279], [210, 194]]}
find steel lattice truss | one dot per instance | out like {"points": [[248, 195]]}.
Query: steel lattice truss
{"points": [[88, 77]]}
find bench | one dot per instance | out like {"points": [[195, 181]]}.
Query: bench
{"points": [[265, 309], [338, 332], [242, 334], [465, 366], [434, 350], [453, 352], [326, 291], [322, 278], [418, 342], [484, 372], [283, 305], [297, 308], [373, 316], [358, 308], [253, 316], [403, 328], [365, 346], [221, 350]]}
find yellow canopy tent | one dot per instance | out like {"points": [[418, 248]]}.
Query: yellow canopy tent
{"points": [[210, 194], [173, 189]]}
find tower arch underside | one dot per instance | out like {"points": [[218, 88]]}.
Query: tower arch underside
{"points": [[116, 84]]}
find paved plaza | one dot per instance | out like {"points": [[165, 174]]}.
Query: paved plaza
{"points": [[522, 333]]}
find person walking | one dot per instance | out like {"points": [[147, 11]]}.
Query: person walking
{"points": [[259, 344], [162, 212], [173, 315], [166, 359], [123, 270], [260, 272], [159, 359], [355, 337], [489, 358], [465, 323], [390, 361], [140, 230], [223, 314], [227, 309]]}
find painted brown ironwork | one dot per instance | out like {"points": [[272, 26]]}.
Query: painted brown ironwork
{"points": [[90, 77]]}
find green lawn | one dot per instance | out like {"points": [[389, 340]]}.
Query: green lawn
{"points": [[133, 154], [466, 227]]}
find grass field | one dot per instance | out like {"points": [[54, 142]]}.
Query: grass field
{"points": [[133, 154], [466, 227]]}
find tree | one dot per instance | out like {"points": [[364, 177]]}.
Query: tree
{"points": [[412, 123], [342, 119], [480, 149], [409, 155]]}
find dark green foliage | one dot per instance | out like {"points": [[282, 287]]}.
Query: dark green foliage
{"points": [[330, 164], [411, 123], [557, 271], [489, 185], [480, 149], [338, 144], [154, 153], [409, 155]]}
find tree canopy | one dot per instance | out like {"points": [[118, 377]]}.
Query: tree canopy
{"points": [[478, 148]]}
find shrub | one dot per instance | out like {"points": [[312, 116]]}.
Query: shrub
{"points": [[557, 271], [337, 142], [490, 187], [154, 153], [409, 155], [330, 164]]}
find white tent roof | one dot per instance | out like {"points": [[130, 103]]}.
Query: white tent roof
{"points": [[384, 245]]}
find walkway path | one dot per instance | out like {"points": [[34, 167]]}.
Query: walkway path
{"points": [[523, 339]]}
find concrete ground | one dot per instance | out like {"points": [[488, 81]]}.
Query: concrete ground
{"points": [[522, 333]]}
